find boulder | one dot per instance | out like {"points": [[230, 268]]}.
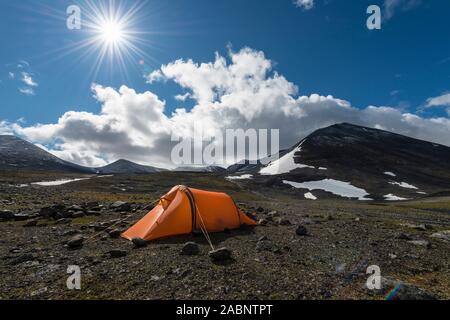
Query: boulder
{"points": [[75, 242], [443, 235], [78, 214], [263, 222], [273, 214], [117, 253], [284, 222], [139, 242], [190, 249], [420, 243], [115, 233], [23, 216], [402, 291], [31, 223], [220, 255], [6, 215], [301, 231], [121, 206]]}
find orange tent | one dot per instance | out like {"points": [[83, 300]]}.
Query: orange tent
{"points": [[184, 210]]}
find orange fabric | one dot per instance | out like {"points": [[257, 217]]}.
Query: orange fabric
{"points": [[174, 215]]}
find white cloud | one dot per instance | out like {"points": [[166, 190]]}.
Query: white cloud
{"points": [[240, 92], [391, 7], [28, 80], [11, 75], [305, 4], [27, 91], [5, 128], [440, 101], [182, 97]]}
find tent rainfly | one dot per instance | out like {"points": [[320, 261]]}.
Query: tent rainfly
{"points": [[185, 210]]}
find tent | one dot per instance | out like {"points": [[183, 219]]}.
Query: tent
{"points": [[185, 210]]}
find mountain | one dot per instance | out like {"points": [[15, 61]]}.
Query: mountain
{"points": [[127, 167], [383, 164], [211, 169], [16, 154]]}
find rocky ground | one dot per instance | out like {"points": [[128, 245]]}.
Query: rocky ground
{"points": [[300, 250]]}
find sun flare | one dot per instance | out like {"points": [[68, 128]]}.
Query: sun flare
{"points": [[112, 33]]}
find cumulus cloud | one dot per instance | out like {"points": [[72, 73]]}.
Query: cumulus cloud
{"points": [[305, 4], [391, 7], [27, 91], [239, 91], [440, 101], [443, 100], [182, 97], [28, 80]]}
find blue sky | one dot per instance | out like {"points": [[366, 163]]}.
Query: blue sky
{"points": [[326, 50]]}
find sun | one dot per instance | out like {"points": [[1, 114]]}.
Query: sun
{"points": [[112, 33], [112, 38]]}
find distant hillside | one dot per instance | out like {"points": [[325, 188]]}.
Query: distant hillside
{"points": [[18, 154], [212, 169], [127, 167], [382, 164]]}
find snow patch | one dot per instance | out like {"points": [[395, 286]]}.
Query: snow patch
{"points": [[388, 173], [285, 164], [393, 197], [242, 177], [310, 196], [404, 185], [340, 188], [57, 182]]}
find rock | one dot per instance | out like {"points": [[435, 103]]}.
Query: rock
{"points": [[53, 211], [301, 231], [420, 227], [402, 291], [115, 233], [139, 242], [100, 227], [190, 249], [392, 256], [260, 210], [78, 214], [273, 214], [263, 222], [404, 236], [121, 206], [92, 213], [39, 292], [31, 223], [420, 243], [264, 246], [155, 278], [284, 222], [76, 241], [75, 208], [6, 215], [70, 233], [220, 255], [263, 238], [444, 235], [23, 216], [23, 258], [117, 253], [92, 205]]}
